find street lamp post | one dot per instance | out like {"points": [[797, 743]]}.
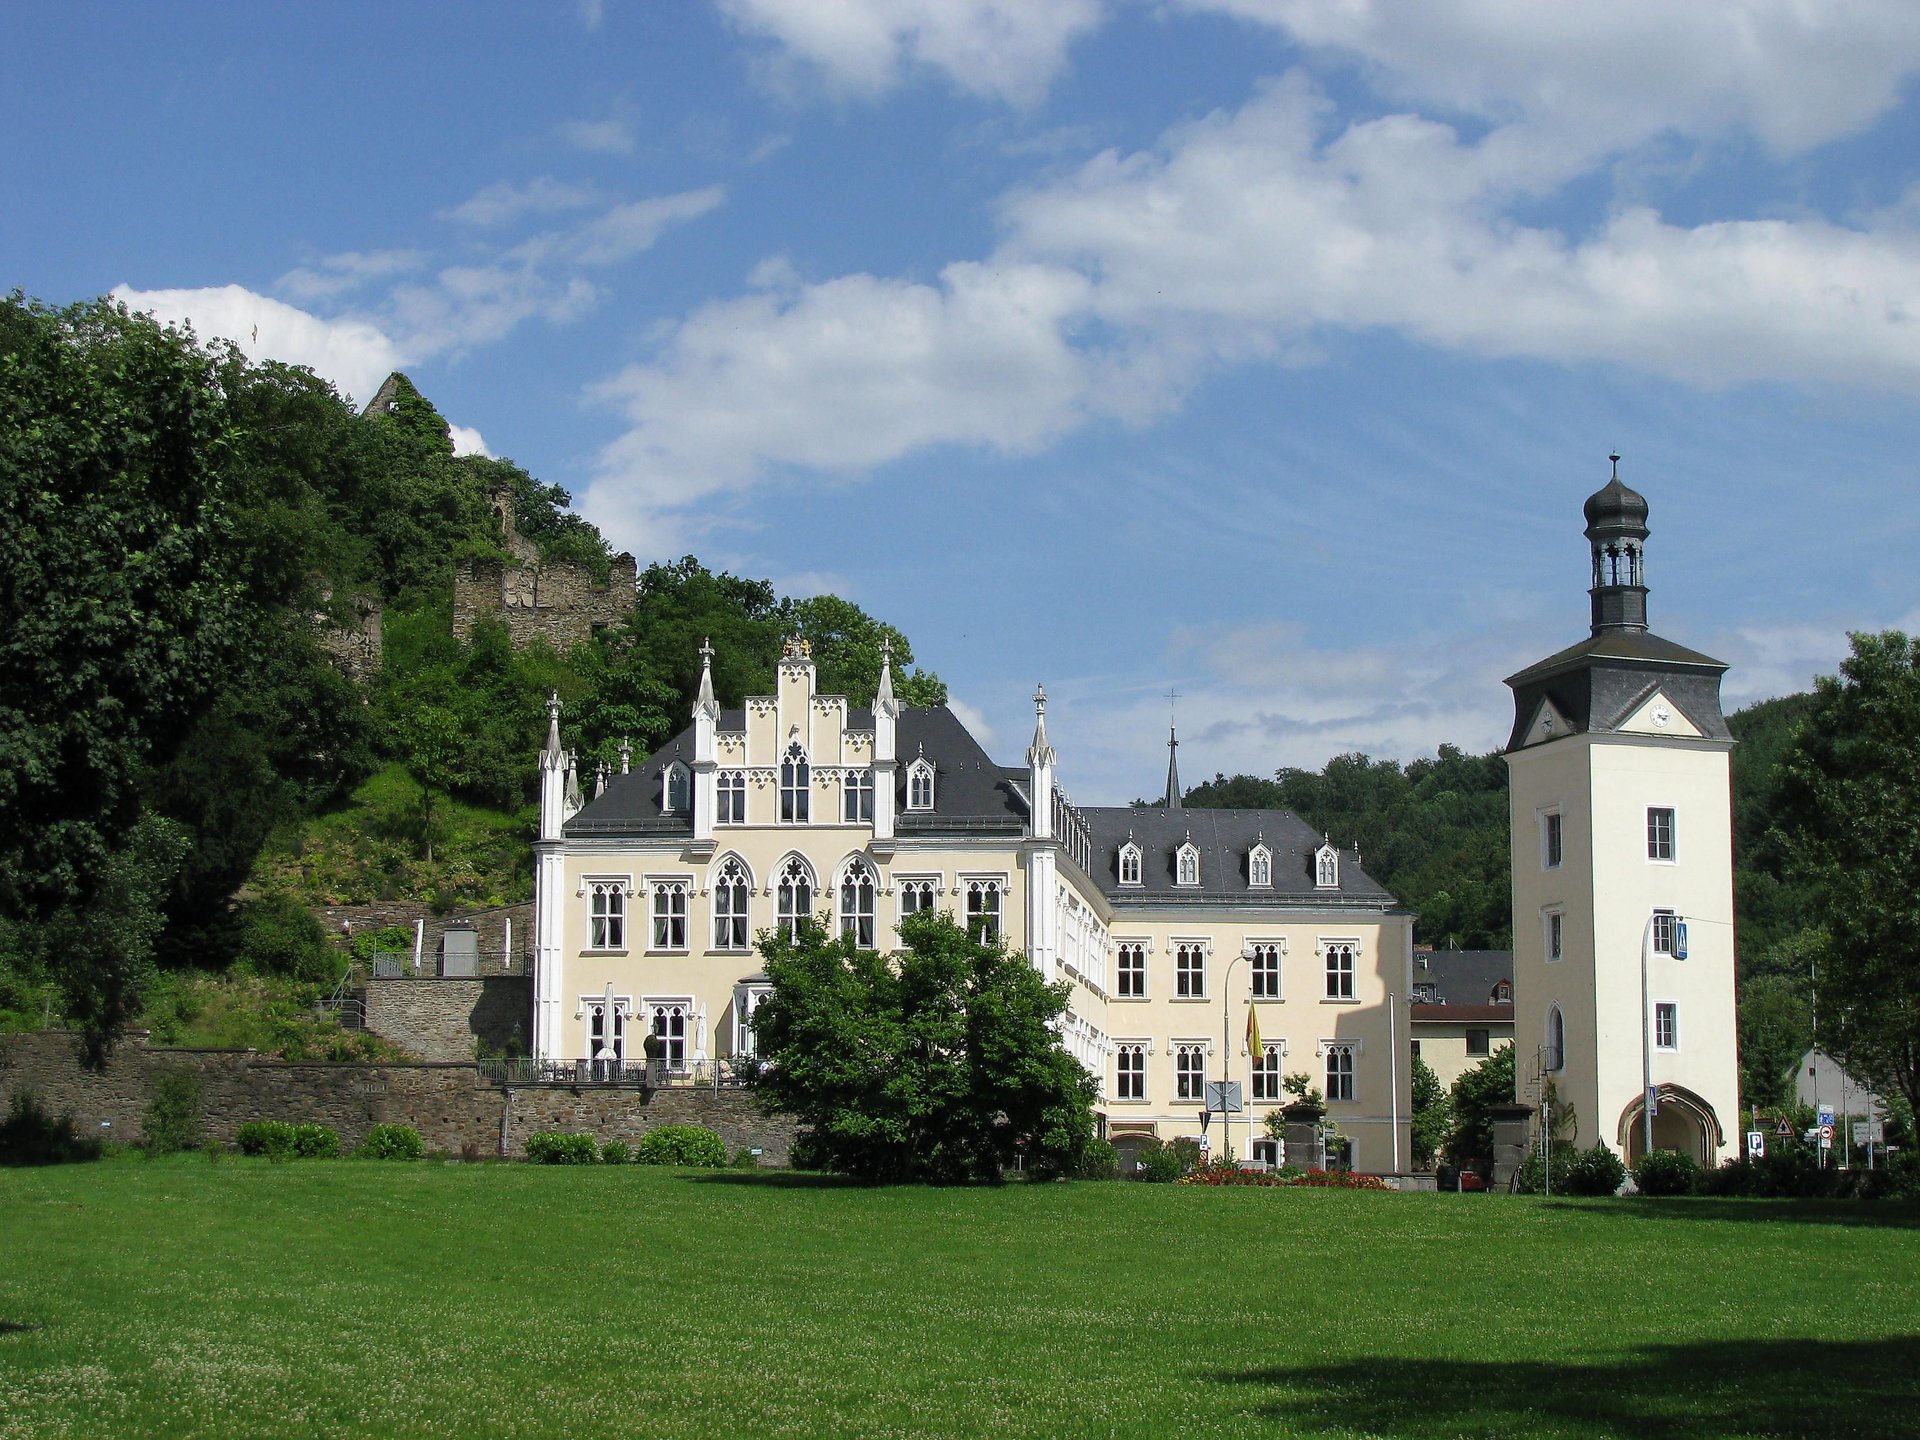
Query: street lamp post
{"points": [[1226, 1058]]}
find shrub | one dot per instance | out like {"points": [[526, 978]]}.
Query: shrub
{"points": [[1666, 1172], [557, 1147], [1595, 1172], [280, 936], [615, 1152], [693, 1145], [31, 1136], [745, 1159], [173, 1114], [316, 1142], [392, 1142], [1338, 1180], [1099, 1161], [214, 1151], [1226, 1172], [271, 1138], [1162, 1164], [1533, 1171]]}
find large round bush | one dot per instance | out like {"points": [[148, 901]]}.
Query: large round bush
{"points": [[1595, 1172], [681, 1145], [392, 1142], [1666, 1172]]}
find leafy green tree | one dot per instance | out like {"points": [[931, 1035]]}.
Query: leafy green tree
{"points": [[1849, 820], [1432, 1113], [1475, 1093], [939, 1064], [846, 645]]}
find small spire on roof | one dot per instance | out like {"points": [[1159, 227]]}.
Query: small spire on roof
{"points": [[626, 755], [1040, 752], [883, 697], [704, 703]]}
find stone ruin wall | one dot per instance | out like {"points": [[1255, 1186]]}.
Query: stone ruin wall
{"points": [[452, 1105], [345, 921], [560, 603], [356, 647]]}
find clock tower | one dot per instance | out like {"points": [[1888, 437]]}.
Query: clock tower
{"points": [[1621, 803]]}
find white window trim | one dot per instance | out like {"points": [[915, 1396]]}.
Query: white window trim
{"points": [[1133, 852], [1329, 1044], [749, 997], [1653, 934], [1145, 1045], [587, 885], [1205, 1047], [713, 906], [1673, 1049], [1540, 825], [1279, 943], [719, 788], [1328, 852], [1322, 948], [847, 866], [1001, 880], [622, 1005], [1673, 834], [1205, 944], [1188, 853], [1279, 1048], [691, 1040], [1146, 970], [802, 792], [653, 884], [1548, 915], [1263, 853], [674, 769], [920, 766]]}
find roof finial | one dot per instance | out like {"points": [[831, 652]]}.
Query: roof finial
{"points": [[1173, 755], [703, 702], [553, 725], [626, 755], [1615, 458], [883, 696]]}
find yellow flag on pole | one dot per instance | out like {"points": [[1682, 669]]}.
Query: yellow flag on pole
{"points": [[1253, 1030]]}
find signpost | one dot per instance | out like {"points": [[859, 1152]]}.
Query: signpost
{"points": [[1223, 1097], [1756, 1145], [1679, 937]]}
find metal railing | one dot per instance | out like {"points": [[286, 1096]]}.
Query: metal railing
{"points": [[641, 1074], [346, 1006]]}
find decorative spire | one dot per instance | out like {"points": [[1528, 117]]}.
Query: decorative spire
{"points": [[552, 752], [704, 703], [1040, 752], [1173, 769], [1617, 533], [883, 697], [626, 755]]}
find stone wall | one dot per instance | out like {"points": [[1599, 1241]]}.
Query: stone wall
{"points": [[445, 1019], [345, 921], [451, 1105], [560, 603], [355, 644]]}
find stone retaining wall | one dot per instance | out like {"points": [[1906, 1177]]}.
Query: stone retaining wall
{"points": [[436, 1019], [448, 1103], [345, 921]]}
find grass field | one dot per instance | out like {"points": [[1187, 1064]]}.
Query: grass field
{"points": [[180, 1297]]}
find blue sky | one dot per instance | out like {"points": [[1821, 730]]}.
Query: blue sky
{"points": [[1263, 350]]}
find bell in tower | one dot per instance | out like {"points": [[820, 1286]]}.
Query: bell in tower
{"points": [[1617, 531]]}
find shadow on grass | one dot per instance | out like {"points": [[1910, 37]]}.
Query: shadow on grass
{"points": [[15, 1327], [773, 1179], [1658, 1392], [1882, 1214]]}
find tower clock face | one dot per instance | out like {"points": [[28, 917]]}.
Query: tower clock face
{"points": [[1661, 714]]}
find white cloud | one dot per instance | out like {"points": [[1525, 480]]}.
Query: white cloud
{"points": [[470, 305], [592, 13], [1001, 49], [626, 230], [335, 275], [468, 441], [354, 354], [611, 136], [974, 719], [503, 201], [1602, 77]]}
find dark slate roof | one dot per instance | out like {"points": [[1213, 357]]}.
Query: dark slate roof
{"points": [[1598, 683], [1462, 977], [971, 794], [1224, 838]]}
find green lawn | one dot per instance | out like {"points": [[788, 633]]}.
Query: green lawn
{"points": [[350, 1298]]}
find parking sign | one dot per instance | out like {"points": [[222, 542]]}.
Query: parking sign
{"points": [[1756, 1144]]}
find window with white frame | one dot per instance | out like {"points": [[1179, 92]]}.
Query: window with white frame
{"points": [[1130, 1071], [1556, 1057], [1129, 864], [857, 890], [1550, 839], [673, 790], [920, 784], [1265, 960], [731, 886], [983, 909], [1267, 1080], [1659, 832], [1131, 969], [668, 1023], [606, 1027], [607, 915], [1187, 866], [793, 895], [1340, 984], [1555, 922], [796, 786], [1190, 1071], [670, 915], [746, 1000], [1189, 970], [1666, 1025], [1665, 931], [731, 790], [1260, 867], [917, 895], [1340, 1072], [856, 796], [1326, 868]]}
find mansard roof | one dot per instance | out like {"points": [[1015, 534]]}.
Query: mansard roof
{"points": [[971, 794], [1599, 682], [1224, 838]]}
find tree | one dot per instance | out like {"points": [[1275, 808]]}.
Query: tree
{"points": [[940, 1064], [1849, 821], [1432, 1113], [1475, 1093]]}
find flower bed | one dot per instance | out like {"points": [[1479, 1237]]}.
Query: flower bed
{"points": [[1224, 1172]]}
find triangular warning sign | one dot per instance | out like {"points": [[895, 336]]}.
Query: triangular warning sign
{"points": [[1783, 1129]]}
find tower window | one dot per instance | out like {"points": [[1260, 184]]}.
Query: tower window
{"points": [[1659, 832], [1664, 932], [1550, 840], [1666, 1025], [1556, 1057], [796, 781]]}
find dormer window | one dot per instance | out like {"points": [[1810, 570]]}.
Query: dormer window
{"points": [[920, 784], [1503, 993], [1326, 868], [1130, 864], [1260, 867], [796, 780], [673, 789], [1186, 865]]}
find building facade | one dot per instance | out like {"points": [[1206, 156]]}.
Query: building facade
{"points": [[1462, 1009], [1185, 936], [1620, 796]]}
